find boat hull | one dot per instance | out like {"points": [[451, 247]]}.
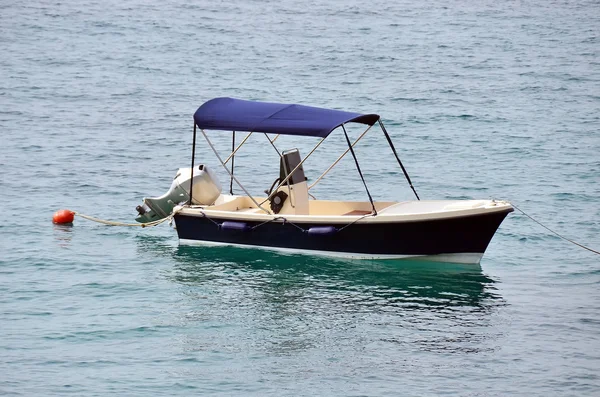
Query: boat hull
{"points": [[461, 239]]}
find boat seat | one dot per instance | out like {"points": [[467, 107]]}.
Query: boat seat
{"points": [[231, 203]]}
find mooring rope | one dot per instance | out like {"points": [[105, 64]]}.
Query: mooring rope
{"points": [[113, 223], [359, 219], [550, 230], [280, 218], [218, 225], [271, 220], [285, 221]]}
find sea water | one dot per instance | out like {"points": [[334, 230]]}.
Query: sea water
{"points": [[483, 100]]}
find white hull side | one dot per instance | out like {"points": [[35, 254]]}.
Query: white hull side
{"points": [[464, 258]]}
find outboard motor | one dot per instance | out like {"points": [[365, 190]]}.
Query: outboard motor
{"points": [[206, 191]]}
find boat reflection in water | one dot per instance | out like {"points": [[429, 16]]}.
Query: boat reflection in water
{"points": [[430, 283], [298, 302]]}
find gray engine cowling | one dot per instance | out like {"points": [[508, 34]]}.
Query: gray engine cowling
{"points": [[206, 190]]}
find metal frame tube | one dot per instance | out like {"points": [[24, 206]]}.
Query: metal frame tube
{"points": [[232, 163], [339, 159], [272, 142], [359, 171], [237, 148], [232, 176], [387, 136], [193, 156]]}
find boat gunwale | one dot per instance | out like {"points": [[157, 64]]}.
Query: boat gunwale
{"points": [[201, 211]]}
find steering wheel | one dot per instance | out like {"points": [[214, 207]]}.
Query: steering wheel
{"points": [[269, 191]]}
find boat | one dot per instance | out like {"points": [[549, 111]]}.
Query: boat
{"points": [[289, 218]]}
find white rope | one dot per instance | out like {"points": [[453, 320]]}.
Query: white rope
{"points": [[550, 230], [113, 223]]}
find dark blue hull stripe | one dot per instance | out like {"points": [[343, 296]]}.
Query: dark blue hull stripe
{"points": [[430, 237]]}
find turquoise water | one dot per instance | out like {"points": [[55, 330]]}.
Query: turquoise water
{"points": [[483, 100]]}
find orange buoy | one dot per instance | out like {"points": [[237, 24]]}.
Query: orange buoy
{"points": [[63, 216]]}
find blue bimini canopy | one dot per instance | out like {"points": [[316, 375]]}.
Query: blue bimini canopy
{"points": [[229, 114]]}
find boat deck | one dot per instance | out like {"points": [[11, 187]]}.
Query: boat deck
{"points": [[242, 207]]}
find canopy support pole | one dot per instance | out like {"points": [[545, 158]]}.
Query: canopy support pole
{"points": [[230, 173], [232, 164], [387, 136], [359, 171], [272, 142], [238, 148], [276, 136], [338, 159], [192, 173]]}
